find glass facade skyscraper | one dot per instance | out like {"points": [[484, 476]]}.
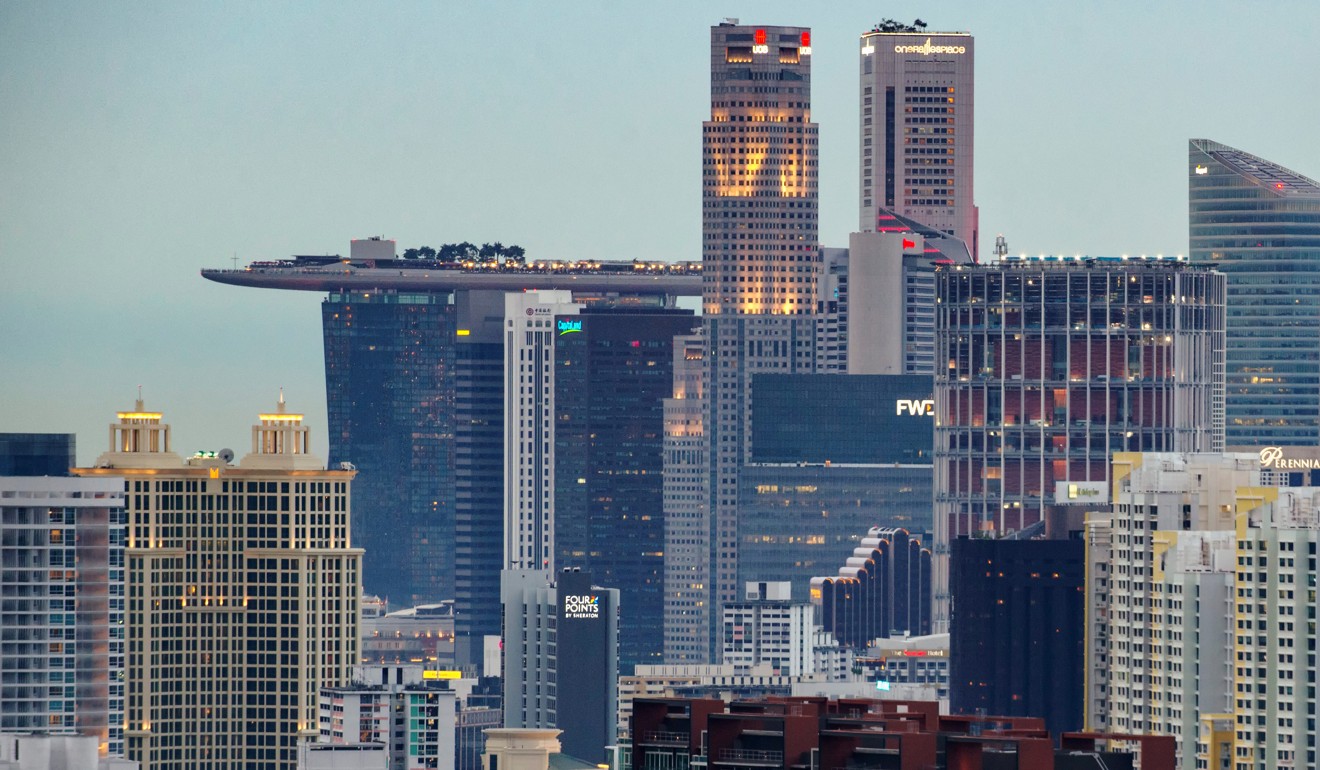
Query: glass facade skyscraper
{"points": [[1048, 367], [1259, 224], [389, 376], [613, 371]]}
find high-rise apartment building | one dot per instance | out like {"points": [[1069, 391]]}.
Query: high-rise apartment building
{"points": [[1206, 607], [242, 593], [62, 606], [1259, 224], [760, 257], [1047, 367], [1169, 567], [36, 454], [917, 108]]}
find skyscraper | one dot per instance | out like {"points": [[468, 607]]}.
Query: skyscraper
{"points": [[242, 593], [613, 370], [760, 256], [917, 108], [1046, 368], [1259, 224], [529, 426]]}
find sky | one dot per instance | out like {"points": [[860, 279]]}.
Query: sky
{"points": [[141, 142]]}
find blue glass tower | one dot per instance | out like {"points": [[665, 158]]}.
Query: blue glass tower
{"points": [[1259, 224]]}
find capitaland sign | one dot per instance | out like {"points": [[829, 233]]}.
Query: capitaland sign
{"points": [[926, 49], [567, 326], [915, 407], [582, 606], [1286, 459]]}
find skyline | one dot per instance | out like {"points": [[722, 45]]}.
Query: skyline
{"points": [[140, 144]]}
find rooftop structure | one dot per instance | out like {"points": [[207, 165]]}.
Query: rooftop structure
{"points": [[335, 273]]}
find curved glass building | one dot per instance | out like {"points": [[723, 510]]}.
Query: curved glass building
{"points": [[1259, 224]]}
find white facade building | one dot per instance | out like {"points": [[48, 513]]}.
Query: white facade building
{"points": [[768, 627], [917, 97], [1274, 642], [529, 418]]}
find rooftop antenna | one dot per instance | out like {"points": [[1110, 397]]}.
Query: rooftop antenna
{"points": [[139, 398], [235, 260]]}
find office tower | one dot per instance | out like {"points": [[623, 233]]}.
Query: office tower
{"points": [[1257, 223], [884, 285], [1164, 607], [917, 119], [687, 635], [1046, 367], [831, 457], [1015, 640], [61, 602], [613, 369], [389, 401], [36, 454], [560, 631], [478, 471], [242, 593], [882, 590], [529, 425], [767, 626], [759, 256]]}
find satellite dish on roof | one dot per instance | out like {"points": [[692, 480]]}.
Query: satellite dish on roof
{"points": [[227, 455]]}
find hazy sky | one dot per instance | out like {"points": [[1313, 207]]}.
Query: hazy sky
{"points": [[141, 142]]}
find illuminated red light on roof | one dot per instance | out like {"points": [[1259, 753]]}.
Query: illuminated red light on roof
{"points": [[1278, 185], [760, 37], [806, 39]]}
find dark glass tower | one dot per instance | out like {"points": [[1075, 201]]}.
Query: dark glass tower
{"points": [[37, 454], [389, 373], [613, 370], [1259, 224], [1016, 642]]}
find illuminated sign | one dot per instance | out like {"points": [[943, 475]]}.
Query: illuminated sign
{"points": [[916, 407], [760, 44], [867, 50], [1272, 457], [1081, 492], [566, 326], [805, 50], [582, 606], [1202, 169], [442, 674], [882, 685], [907, 244], [926, 49]]}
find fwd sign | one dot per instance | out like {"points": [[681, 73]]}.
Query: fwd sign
{"points": [[919, 408]]}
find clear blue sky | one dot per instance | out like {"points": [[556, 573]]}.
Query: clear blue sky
{"points": [[140, 142]]}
